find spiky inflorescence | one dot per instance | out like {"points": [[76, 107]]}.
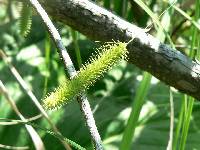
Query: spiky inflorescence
{"points": [[25, 20], [110, 54]]}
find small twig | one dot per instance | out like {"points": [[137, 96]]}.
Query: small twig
{"points": [[27, 120], [13, 147], [55, 37], [34, 135], [26, 88], [84, 104], [49, 131], [170, 142]]}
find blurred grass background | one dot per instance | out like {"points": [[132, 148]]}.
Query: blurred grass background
{"points": [[112, 98]]}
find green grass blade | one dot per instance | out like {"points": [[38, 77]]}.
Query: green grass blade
{"points": [[166, 21], [130, 15], [136, 108], [124, 8], [107, 3], [180, 121], [76, 46], [140, 95], [186, 124], [154, 18], [189, 107], [198, 51], [197, 25], [171, 132], [47, 46], [118, 7], [187, 17]]}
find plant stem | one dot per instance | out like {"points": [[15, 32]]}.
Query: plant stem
{"points": [[37, 141], [84, 104], [26, 88], [76, 46], [170, 142], [136, 108]]}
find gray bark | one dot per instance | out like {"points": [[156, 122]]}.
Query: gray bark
{"points": [[146, 52]]}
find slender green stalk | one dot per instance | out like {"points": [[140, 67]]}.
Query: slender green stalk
{"points": [[107, 3], [130, 15], [76, 46], [154, 17], [47, 46], [166, 19], [9, 11], [180, 120], [189, 107], [170, 142], [143, 89], [117, 7], [124, 8], [195, 23], [136, 108], [194, 41], [186, 124], [198, 52]]}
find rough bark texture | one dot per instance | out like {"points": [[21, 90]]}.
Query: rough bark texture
{"points": [[146, 52]]}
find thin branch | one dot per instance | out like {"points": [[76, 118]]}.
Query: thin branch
{"points": [[84, 104], [146, 52], [13, 147], [34, 135], [27, 120], [26, 89], [51, 132], [56, 38], [170, 142]]}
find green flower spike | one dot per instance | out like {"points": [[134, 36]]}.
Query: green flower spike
{"points": [[110, 54], [25, 20]]}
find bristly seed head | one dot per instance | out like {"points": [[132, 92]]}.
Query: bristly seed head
{"points": [[110, 54], [25, 20]]}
